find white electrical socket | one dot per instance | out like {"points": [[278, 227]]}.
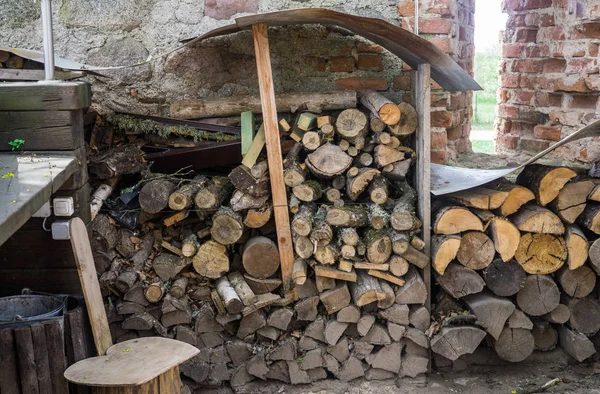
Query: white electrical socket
{"points": [[44, 211], [60, 230], [63, 206]]}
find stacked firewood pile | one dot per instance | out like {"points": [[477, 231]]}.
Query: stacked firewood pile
{"points": [[201, 262], [521, 260]]}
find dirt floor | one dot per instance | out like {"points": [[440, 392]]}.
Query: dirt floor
{"points": [[513, 379], [518, 379]]}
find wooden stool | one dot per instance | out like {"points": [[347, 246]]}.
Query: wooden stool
{"points": [[138, 366], [144, 365]]}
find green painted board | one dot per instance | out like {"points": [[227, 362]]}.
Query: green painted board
{"points": [[247, 130]]}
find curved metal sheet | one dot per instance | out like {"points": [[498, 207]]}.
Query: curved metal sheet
{"points": [[409, 47], [447, 179]]}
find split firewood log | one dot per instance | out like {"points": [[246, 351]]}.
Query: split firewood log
{"points": [[559, 315], [590, 217], [408, 121], [453, 342], [544, 181], [120, 160], [242, 179], [260, 257], [381, 106], [460, 281], [505, 235], [375, 123], [517, 197], [480, 198], [541, 253], [179, 287], [167, 265], [379, 246], [585, 315], [578, 282], [358, 183], [328, 161], [351, 124], [154, 292], [347, 216], [514, 344], [572, 198], [227, 226], [535, 219], [577, 247], [379, 190], [211, 260], [575, 344], [545, 337], [538, 296], [594, 255], [401, 245], [397, 171], [303, 220], [190, 245], [321, 233], [504, 278], [384, 156], [491, 311], [154, 195], [232, 301], [476, 250], [308, 191], [183, 197], [403, 217], [212, 196], [258, 217], [365, 290], [413, 291], [443, 251], [452, 219], [241, 201]]}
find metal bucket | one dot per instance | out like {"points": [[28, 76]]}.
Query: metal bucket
{"points": [[31, 307]]}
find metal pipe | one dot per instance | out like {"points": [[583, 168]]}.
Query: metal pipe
{"points": [[48, 40], [417, 17]]}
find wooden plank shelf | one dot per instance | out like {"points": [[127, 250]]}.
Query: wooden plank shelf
{"points": [[26, 182]]}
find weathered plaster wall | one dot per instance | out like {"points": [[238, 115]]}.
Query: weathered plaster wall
{"points": [[118, 32], [550, 81]]}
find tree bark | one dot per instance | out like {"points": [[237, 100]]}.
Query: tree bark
{"points": [[590, 217], [214, 194], [154, 195]]}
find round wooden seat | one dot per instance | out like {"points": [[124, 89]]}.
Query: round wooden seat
{"points": [[132, 363]]}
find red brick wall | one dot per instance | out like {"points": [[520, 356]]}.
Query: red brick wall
{"points": [[549, 76], [449, 25]]}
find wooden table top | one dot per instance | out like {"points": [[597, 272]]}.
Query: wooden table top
{"points": [[27, 180]]}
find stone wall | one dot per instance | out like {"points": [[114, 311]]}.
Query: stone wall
{"points": [[118, 32], [549, 76]]}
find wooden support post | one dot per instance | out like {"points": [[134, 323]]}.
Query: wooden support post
{"points": [[247, 123], [267, 100], [421, 90]]}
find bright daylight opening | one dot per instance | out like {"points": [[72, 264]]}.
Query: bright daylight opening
{"points": [[489, 23]]}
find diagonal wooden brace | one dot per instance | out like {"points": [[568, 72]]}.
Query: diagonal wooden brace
{"points": [[267, 99]]}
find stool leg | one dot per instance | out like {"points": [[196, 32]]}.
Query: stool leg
{"points": [[166, 383]]}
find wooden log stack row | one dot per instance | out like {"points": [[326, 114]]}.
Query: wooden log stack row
{"points": [[522, 260], [202, 266]]}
